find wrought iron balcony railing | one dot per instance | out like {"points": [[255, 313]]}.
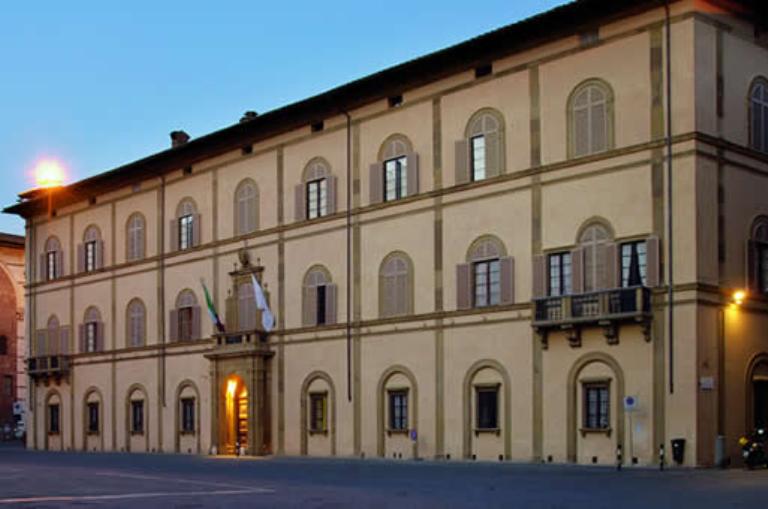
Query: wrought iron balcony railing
{"points": [[48, 365]]}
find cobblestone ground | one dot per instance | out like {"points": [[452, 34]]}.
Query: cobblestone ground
{"points": [[43, 480]]}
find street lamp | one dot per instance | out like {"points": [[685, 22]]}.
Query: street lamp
{"points": [[739, 296]]}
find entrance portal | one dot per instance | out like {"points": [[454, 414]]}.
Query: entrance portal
{"points": [[236, 415]]}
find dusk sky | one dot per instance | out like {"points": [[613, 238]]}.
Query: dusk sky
{"points": [[96, 84]]}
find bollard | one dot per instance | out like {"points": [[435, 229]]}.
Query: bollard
{"points": [[619, 457], [661, 457]]}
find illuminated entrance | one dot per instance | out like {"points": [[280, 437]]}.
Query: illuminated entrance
{"points": [[236, 403]]}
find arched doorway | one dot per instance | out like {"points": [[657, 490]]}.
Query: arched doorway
{"points": [[236, 415]]}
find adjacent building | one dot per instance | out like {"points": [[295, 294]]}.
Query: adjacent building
{"points": [[524, 247], [12, 345]]}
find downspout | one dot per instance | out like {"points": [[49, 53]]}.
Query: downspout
{"points": [[670, 214], [349, 255]]}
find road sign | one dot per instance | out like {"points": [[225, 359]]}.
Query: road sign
{"points": [[630, 403]]}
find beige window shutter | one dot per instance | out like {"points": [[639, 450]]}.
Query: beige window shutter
{"points": [[330, 304], [99, 337], [80, 258], [599, 128], [196, 325], [333, 187], [299, 203], [64, 340], [81, 337], [652, 262], [577, 270], [173, 326], [40, 349], [462, 161], [376, 182], [99, 255], [309, 306], [612, 271], [463, 286], [507, 273], [580, 132], [539, 273], [43, 267], [173, 228], [197, 228], [412, 169], [493, 154]]}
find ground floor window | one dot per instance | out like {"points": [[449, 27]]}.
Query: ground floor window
{"points": [[93, 418], [487, 407], [188, 415], [596, 405], [318, 405], [137, 416], [53, 419], [398, 410]]}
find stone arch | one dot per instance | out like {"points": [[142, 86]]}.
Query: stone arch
{"points": [[91, 233], [308, 279], [757, 360], [483, 121], [595, 221], [186, 298], [572, 401], [316, 168], [133, 389], [396, 145], [187, 206], [90, 392], [758, 228], [397, 369], [184, 384], [506, 394], [304, 421], [486, 246], [49, 396]]}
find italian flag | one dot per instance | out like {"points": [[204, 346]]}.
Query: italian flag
{"points": [[212, 310]]}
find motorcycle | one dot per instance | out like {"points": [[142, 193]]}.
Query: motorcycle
{"points": [[753, 448]]}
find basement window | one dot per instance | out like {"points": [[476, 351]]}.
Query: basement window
{"points": [[483, 70]]}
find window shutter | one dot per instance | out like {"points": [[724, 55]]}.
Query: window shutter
{"points": [[330, 304], [196, 325], [43, 267], [299, 202], [577, 271], [463, 286], [53, 341], [507, 269], [40, 350], [653, 262], [197, 238], [309, 306], [80, 258], [462, 161], [599, 132], [612, 271], [99, 336], [173, 229], [493, 154], [81, 337], [59, 263], [752, 267], [539, 276], [580, 132], [376, 184], [99, 255], [63, 340], [333, 187], [412, 164], [173, 329]]}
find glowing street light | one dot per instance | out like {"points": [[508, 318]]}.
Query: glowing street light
{"points": [[739, 296], [49, 173]]}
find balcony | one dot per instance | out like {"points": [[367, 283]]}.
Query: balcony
{"points": [[606, 308], [239, 343], [47, 367]]}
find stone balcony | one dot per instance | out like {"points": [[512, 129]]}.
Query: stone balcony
{"points": [[608, 309], [239, 343], [48, 367]]}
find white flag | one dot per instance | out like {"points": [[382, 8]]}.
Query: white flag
{"points": [[267, 318]]}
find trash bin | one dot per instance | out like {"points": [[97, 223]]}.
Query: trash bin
{"points": [[678, 450]]}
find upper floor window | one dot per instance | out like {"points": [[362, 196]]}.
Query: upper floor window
{"points": [[246, 207], [634, 264], [480, 155], [319, 298], [92, 331], [596, 260], [91, 252], [559, 273], [395, 175], [53, 340], [396, 288], [185, 228], [52, 260], [486, 280], [3, 345], [316, 195], [185, 318], [137, 323], [590, 123], [758, 101], [757, 257], [135, 237]]}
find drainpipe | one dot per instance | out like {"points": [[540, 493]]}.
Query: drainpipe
{"points": [[349, 255], [670, 241]]}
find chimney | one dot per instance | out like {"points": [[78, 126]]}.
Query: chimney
{"points": [[178, 138], [248, 115]]}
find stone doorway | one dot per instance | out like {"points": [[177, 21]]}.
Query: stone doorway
{"points": [[237, 412]]}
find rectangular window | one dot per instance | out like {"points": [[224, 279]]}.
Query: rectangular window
{"points": [[487, 283], [185, 324], [50, 262], [137, 416], [478, 157], [317, 198], [186, 229], [633, 264], [90, 337], [320, 315], [762, 262], [90, 256], [395, 178], [3, 345], [8, 385], [93, 418], [487, 408], [596, 406], [398, 410], [188, 415], [317, 412], [559, 274], [53, 419]]}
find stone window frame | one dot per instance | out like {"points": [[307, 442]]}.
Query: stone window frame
{"points": [[609, 101]]}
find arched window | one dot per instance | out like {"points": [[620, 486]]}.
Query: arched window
{"points": [[395, 286], [246, 207], [185, 227], [758, 113], [52, 260], [58, 338], [318, 298], [90, 254], [316, 195], [92, 331], [396, 173], [185, 318], [246, 307], [136, 323], [486, 278], [135, 237], [757, 257], [590, 123], [594, 241], [480, 155]]}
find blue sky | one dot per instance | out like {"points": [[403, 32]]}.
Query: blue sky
{"points": [[97, 84]]}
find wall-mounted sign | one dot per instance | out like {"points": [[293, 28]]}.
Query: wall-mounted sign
{"points": [[630, 403]]}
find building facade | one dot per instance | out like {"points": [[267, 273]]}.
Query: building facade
{"points": [[12, 344], [468, 255]]}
